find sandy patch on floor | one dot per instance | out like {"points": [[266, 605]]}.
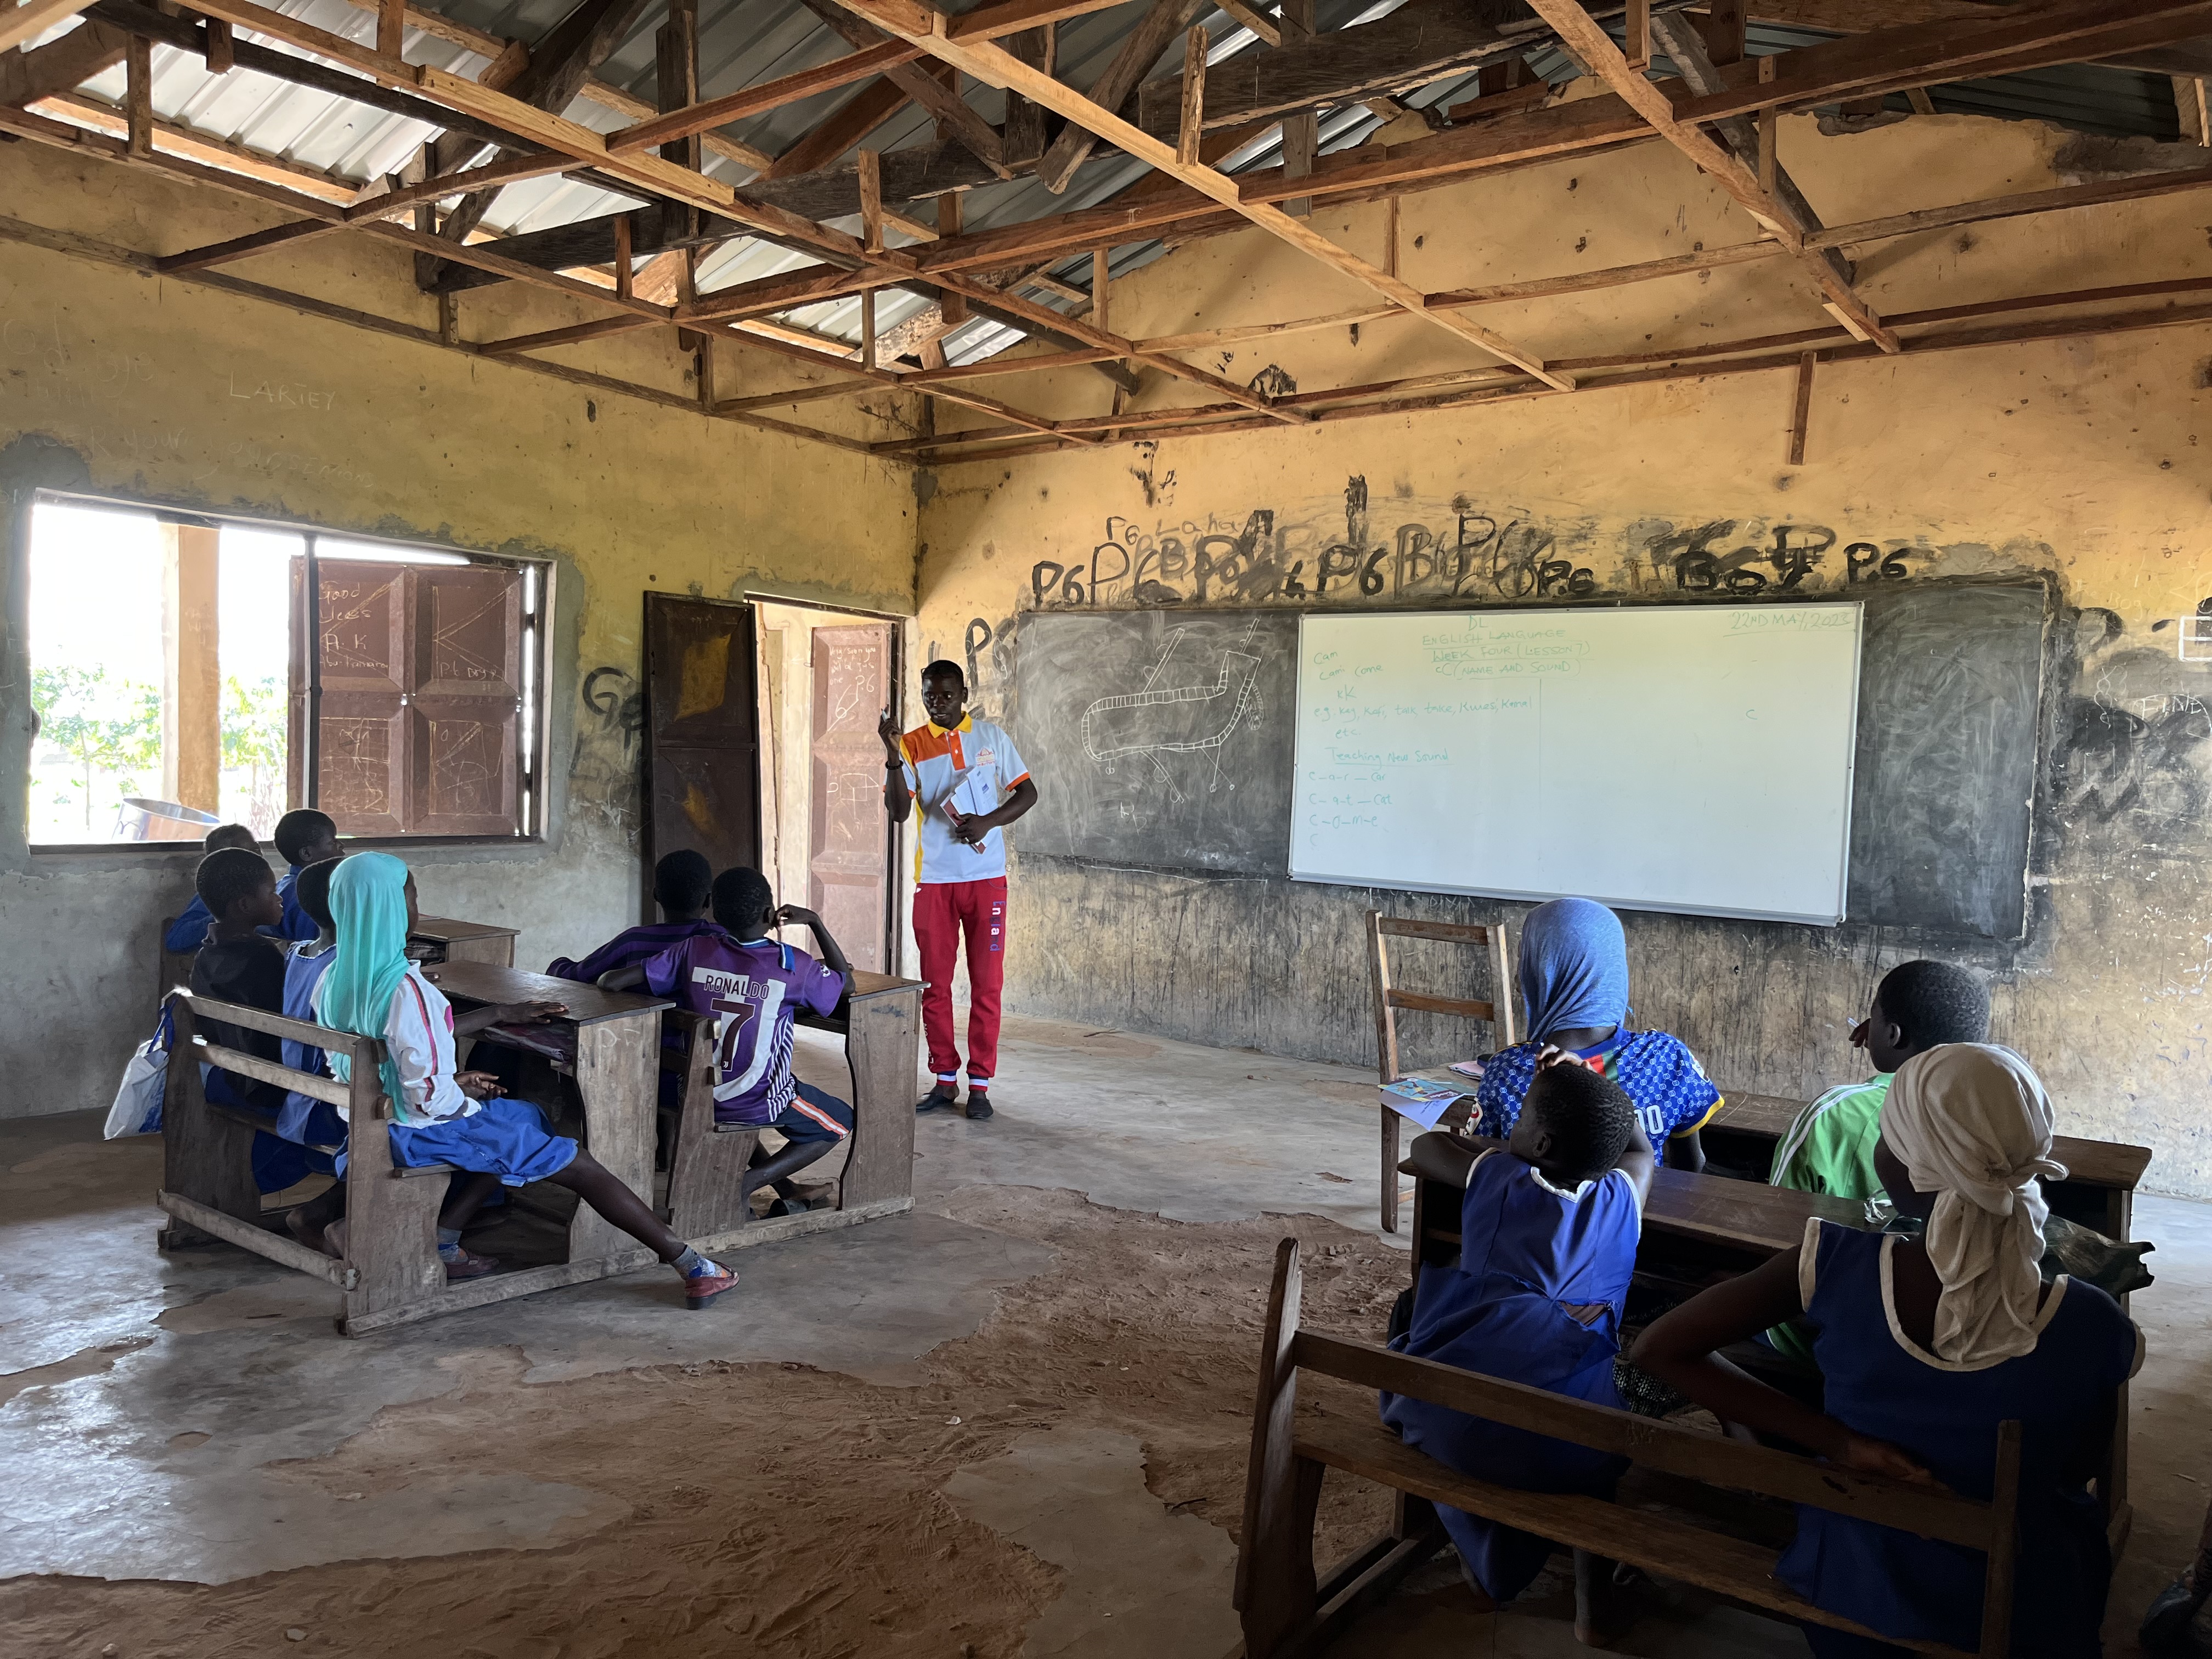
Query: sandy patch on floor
{"points": [[776, 1509]]}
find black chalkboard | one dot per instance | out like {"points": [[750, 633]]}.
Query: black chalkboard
{"points": [[1160, 738], [1950, 683], [1164, 738]]}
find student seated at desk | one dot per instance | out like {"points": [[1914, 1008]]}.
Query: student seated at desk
{"points": [[304, 837], [317, 1123], [240, 963], [1547, 1245], [752, 986], [443, 1116], [683, 883], [1927, 1345], [1574, 985], [1919, 1005], [190, 931]]}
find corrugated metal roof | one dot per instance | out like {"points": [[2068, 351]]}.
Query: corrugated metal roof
{"points": [[744, 41]]}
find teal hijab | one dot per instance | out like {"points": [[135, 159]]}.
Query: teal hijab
{"points": [[368, 904]]}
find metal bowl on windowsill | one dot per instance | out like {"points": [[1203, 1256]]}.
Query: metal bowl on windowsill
{"points": [[140, 819]]}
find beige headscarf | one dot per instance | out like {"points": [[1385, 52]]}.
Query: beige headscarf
{"points": [[1972, 1124]]}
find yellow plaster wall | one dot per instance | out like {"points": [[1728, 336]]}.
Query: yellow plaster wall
{"points": [[134, 387], [2084, 459]]}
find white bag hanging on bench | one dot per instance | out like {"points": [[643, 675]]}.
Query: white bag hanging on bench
{"points": [[137, 1108]]}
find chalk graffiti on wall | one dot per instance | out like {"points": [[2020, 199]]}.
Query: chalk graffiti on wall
{"points": [[2131, 754], [1471, 554]]}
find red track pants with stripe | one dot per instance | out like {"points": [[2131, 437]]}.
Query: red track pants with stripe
{"points": [[943, 912]]}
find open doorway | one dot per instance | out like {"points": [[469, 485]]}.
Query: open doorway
{"points": [[826, 677]]}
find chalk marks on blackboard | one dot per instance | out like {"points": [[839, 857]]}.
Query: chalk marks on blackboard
{"points": [[1192, 717]]}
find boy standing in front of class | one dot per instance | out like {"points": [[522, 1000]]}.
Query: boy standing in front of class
{"points": [[964, 782]]}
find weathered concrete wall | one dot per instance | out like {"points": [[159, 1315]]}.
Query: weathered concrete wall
{"points": [[143, 390], [2081, 460]]}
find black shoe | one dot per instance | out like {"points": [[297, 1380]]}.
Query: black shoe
{"points": [[978, 1104], [935, 1098], [784, 1206]]}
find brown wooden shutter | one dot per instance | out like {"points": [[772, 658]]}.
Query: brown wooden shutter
{"points": [[464, 691], [702, 755], [360, 744]]}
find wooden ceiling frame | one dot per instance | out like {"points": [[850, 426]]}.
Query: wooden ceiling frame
{"points": [[551, 144]]}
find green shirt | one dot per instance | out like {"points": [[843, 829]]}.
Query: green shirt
{"points": [[1830, 1149]]}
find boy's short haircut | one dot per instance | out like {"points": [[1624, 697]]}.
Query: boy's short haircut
{"points": [[945, 669], [313, 889], [1589, 1117], [742, 898], [228, 875], [296, 828], [230, 835], [683, 881], [1934, 1002]]}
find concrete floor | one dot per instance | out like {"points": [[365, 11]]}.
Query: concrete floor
{"points": [[163, 1417]]}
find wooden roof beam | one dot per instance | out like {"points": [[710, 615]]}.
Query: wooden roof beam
{"points": [[92, 48], [758, 99], [24, 23], [1001, 68], [1594, 47]]}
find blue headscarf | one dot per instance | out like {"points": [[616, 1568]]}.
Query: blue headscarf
{"points": [[1574, 968], [368, 904]]}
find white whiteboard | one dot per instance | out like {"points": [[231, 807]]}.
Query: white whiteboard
{"points": [[1658, 757]]}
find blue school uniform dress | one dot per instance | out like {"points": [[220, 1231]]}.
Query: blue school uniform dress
{"points": [[1946, 1414], [436, 1123], [1673, 1094], [310, 1122], [1536, 1298]]}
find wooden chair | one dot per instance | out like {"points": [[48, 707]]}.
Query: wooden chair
{"points": [[1286, 1609], [1389, 1000]]}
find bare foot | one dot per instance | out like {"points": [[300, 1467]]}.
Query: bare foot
{"points": [[334, 1239]]}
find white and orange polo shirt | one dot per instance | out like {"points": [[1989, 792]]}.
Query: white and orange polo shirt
{"points": [[973, 768]]}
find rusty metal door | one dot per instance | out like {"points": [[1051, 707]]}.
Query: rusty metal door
{"points": [[848, 834], [702, 726]]}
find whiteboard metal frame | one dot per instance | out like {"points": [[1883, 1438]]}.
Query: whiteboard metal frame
{"points": [[1851, 766]]}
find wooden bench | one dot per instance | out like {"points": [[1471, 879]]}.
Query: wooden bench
{"points": [[390, 1274], [1286, 1609], [882, 1027], [1698, 1227], [1389, 1000], [2101, 1175]]}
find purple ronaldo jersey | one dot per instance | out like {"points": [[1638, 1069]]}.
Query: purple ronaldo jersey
{"points": [[633, 944], [752, 993]]}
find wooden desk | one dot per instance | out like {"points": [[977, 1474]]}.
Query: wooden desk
{"points": [[1717, 1222], [2098, 1191], [465, 941], [883, 1049], [617, 1074]]}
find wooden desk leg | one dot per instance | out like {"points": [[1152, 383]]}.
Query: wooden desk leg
{"points": [[618, 1078], [392, 1226], [1389, 1170], [882, 1045]]}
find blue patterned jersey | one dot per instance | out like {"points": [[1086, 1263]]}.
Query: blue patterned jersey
{"points": [[1673, 1094]]}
